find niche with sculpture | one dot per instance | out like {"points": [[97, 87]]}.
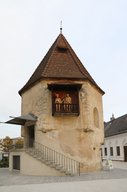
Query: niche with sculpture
{"points": [[65, 102]]}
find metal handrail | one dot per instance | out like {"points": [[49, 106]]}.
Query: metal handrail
{"points": [[56, 159], [66, 108]]}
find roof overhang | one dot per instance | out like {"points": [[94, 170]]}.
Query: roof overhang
{"points": [[69, 86], [21, 120]]}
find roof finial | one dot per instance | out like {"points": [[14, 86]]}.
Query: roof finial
{"points": [[61, 27]]}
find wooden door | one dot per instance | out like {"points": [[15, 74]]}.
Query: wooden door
{"points": [[16, 162]]}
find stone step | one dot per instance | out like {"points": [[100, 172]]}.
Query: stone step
{"points": [[40, 156]]}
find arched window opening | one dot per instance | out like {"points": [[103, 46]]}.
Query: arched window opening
{"points": [[96, 117]]}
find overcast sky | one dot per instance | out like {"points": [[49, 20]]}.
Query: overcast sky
{"points": [[96, 30]]}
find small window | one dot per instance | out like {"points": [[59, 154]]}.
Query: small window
{"points": [[118, 150], [111, 151], [105, 151], [62, 49]]}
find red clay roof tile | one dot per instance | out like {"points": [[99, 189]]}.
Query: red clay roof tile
{"points": [[59, 62]]}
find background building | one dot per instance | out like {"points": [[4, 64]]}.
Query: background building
{"points": [[115, 145]]}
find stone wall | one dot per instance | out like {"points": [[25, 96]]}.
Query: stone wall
{"points": [[76, 136]]}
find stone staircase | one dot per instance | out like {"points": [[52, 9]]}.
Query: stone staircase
{"points": [[54, 159]]}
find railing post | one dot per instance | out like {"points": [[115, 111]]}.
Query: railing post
{"points": [[79, 169]]}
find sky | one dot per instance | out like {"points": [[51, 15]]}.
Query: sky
{"points": [[95, 29]]}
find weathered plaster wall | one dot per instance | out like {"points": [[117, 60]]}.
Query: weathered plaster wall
{"points": [[75, 136], [32, 166]]}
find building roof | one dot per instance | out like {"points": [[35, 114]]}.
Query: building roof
{"points": [[21, 120], [60, 62], [116, 126]]}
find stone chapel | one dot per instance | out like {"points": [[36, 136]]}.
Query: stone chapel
{"points": [[61, 117]]}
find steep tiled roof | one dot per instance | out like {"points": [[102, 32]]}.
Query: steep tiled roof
{"points": [[60, 62], [116, 126]]}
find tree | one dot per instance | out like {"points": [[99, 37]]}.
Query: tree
{"points": [[1, 146], [7, 144], [19, 143]]}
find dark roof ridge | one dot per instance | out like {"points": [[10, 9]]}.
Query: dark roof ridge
{"points": [[78, 60], [53, 46], [80, 65], [37, 69]]}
